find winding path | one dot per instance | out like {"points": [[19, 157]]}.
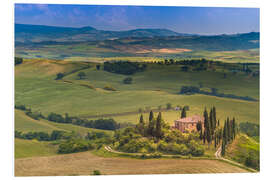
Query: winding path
{"points": [[217, 154]]}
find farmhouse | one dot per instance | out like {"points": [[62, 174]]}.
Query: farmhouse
{"points": [[188, 123]]}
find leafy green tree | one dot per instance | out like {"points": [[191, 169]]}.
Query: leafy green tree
{"points": [[96, 172], [168, 106], [81, 75], [59, 76], [128, 80], [18, 60]]}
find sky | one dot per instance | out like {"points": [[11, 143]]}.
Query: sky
{"points": [[199, 20]]}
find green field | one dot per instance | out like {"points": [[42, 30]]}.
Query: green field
{"points": [[36, 88], [33, 148], [24, 123]]}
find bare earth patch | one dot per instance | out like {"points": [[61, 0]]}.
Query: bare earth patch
{"points": [[164, 50], [84, 163]]}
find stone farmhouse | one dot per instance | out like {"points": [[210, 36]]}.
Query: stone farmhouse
{"points": [[188, 123]]}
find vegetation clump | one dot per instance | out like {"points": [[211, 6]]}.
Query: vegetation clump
{"points": [[75, 145], [109, 88], [128, 80], [124, 67], [156, 137], [18, 60]]}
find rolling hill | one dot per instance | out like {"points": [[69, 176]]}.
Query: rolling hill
{"points": [[37, 33]]}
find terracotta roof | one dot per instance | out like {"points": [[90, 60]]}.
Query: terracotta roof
{"points": [[191, 119]]}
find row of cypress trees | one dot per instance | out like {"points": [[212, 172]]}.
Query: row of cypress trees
{"points": [[229, 134], [154, 126]]}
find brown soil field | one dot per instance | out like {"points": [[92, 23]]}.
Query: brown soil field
{"points": [[84, 163], [164, 50]]}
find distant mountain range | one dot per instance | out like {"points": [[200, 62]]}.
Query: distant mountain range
{"points": [[38, 33], [138, 40]]}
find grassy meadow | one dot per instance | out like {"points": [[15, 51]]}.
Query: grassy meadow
{"points": [[35, 87], [33, 148]]}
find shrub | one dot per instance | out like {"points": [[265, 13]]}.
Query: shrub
{"points": [[189, 90], [18, 60], [128, 80], [109, 88], [81, 75], [168, 106], [96, 172], [72, 146], [59, 76], [34, 115], [21, 107], [88, 86]]}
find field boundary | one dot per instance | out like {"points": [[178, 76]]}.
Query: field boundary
{"points": [[219, 157]]}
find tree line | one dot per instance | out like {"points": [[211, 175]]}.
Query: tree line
{"points": [[189, 90], [105, 124], [124, 67]]}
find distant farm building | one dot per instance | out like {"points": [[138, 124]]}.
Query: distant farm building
{"points": [[188, 123]]}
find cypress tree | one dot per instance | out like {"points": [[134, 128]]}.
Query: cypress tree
{"points": [[201, 134], [205, 115], [159, 126], [234, 128], [215, 141], [228, 130], [151, 124], [204, 137], [141, 119], [224, 137], [223, 148], [211, 121], [214, 117], [199, 126], [183, 113], [207, 129]]}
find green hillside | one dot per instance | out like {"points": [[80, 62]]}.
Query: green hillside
{"points": [[32, 148], [36, 88], [245, 150]]}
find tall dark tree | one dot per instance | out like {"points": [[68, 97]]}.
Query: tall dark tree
{"points": [[199, 126], [211, 122], [234, 127], [151, 124], [207, 129], [223, 148], [228, 130], [158, 131], [214, 117], [183, 113], [224, 136], [141, 119]]}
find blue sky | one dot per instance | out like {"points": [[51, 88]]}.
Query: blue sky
{"points": [[200, 20]]}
